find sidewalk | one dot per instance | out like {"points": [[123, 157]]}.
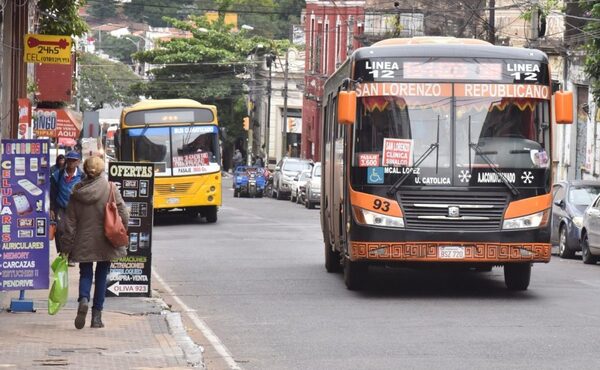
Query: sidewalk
{"points": [[139, 333]]}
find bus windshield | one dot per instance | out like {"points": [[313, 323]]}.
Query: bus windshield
{"points": [[453, 137], [175, 150]]}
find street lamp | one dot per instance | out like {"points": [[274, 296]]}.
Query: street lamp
{"points": [[270, 58], [137, 47]]}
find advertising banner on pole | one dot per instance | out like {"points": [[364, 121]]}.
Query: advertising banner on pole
{"points": [[130, 276], [24, 256]]}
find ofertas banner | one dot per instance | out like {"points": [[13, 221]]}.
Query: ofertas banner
{"points": [[130, 276], [24, 258]]}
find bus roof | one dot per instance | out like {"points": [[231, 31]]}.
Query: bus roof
{"points": [[439, 47], [166, 103]]}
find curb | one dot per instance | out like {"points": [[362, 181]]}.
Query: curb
{"points": [[193, 353]]}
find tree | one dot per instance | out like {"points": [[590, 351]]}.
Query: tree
{"points": [[153, 11], [592, 58], [102, 9], [205, 68], [61, 17], [104, 82], [120, 48]]}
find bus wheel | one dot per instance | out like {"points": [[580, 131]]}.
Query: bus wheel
{"points": [[332, 259], [211, 214], [355, 274], [517, 275]]}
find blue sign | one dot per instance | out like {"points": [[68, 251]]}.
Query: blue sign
{"points": [[24, 251], [375, 175]]}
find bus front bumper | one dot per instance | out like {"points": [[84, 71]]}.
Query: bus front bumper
{"points": [[470, 252]]}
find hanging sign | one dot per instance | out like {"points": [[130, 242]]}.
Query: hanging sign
{"points": [[50, 49]]}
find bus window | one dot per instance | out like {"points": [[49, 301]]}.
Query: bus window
{"points": [[196, 141], [507, 132], [150, 145]]}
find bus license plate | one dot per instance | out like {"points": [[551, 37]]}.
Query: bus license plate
{"points": [[451, 252], [172, 200]]}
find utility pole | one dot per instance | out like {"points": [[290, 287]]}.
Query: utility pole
{"points": [[285, 103], [269, 59], [534, 23], [492, 23]]}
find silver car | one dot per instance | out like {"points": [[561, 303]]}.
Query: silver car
{"points": [[285, 171], [313, 188], [590, 233], [299, 185]]}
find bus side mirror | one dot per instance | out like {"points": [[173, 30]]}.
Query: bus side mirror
{"points": [[563, 105], [346, 110]]}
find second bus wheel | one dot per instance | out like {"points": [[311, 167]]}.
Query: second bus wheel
{"points": [[211, 214], [355, 274], [517, 275]]}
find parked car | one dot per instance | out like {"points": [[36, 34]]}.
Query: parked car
{"points": [[299, 186], [285, 171], [570, 199], [313, 188], [590, 233]]}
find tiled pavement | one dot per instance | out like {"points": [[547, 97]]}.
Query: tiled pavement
{"points": [[136, 336]]}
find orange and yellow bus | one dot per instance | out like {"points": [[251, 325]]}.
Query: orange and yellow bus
{"points": [[181, 136], [438, 151]]}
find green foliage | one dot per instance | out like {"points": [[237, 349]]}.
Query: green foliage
{"points": [[153, 11], [102, 10], [104, 82], [61, 17], [205, 68], [120, 48], [592, 58]]}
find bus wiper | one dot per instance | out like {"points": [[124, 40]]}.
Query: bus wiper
{"points": [[432, 147], [487, 160]]}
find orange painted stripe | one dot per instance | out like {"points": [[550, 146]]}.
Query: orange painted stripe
{"points": [[528, 206], [375, 203]]}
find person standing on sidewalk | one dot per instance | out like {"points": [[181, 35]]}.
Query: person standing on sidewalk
{"points": [[84, 240], [62, 182]]}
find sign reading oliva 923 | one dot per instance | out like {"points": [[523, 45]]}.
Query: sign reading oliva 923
{"points": [[50, 49]]}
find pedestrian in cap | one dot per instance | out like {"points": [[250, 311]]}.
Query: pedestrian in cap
{"points": [[61, 185], [84, 239]]}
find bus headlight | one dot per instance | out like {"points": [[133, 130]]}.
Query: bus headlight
{"points": [[526, 222], [377, 219]]}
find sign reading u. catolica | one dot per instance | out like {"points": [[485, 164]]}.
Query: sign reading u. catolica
{"points": [[51, 49]]}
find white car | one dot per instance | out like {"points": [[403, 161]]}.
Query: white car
{"points": [[299, 185], [590, 233], [313, 188]]}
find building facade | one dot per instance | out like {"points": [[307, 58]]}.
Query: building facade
{"points": [[332, 31]]}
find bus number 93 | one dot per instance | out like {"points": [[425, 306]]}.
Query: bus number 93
{"points": [[381, 205]]}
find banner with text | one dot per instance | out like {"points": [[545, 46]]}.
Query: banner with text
{"points": [[24, 257], [130, 276]]}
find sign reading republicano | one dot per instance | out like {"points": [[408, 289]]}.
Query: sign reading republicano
{"points": [[51, 49]]}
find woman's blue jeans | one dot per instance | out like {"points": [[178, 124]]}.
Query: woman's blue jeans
{"points": [[86, 275]]}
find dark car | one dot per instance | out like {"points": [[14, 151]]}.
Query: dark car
{"points": [[570, 201]]}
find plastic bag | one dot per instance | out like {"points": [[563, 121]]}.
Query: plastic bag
{"points": [[59, 292]]}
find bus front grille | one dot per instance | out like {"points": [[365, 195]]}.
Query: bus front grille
{"points": [[171, 189], [453, 212]]}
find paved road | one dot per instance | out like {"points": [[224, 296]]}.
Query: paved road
{"points": [[257, 279]]}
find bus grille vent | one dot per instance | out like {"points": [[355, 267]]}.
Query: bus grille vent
{"points": [[453, 212], [170, 189]]}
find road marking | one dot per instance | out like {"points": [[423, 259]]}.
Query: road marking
{"points": [[200, 324]]}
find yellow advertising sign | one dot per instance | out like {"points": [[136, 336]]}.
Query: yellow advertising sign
{"points": [[51, 49]]}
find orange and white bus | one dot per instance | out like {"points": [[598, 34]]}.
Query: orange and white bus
{"points": [[438, 151]]}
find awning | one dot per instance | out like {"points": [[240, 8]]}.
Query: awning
{"points": [[59, 123]]}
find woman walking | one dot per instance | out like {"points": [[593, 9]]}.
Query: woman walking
{"points": [[83, 238]]}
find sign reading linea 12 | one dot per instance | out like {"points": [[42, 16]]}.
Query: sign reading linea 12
{"points": [[51, 49]]}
